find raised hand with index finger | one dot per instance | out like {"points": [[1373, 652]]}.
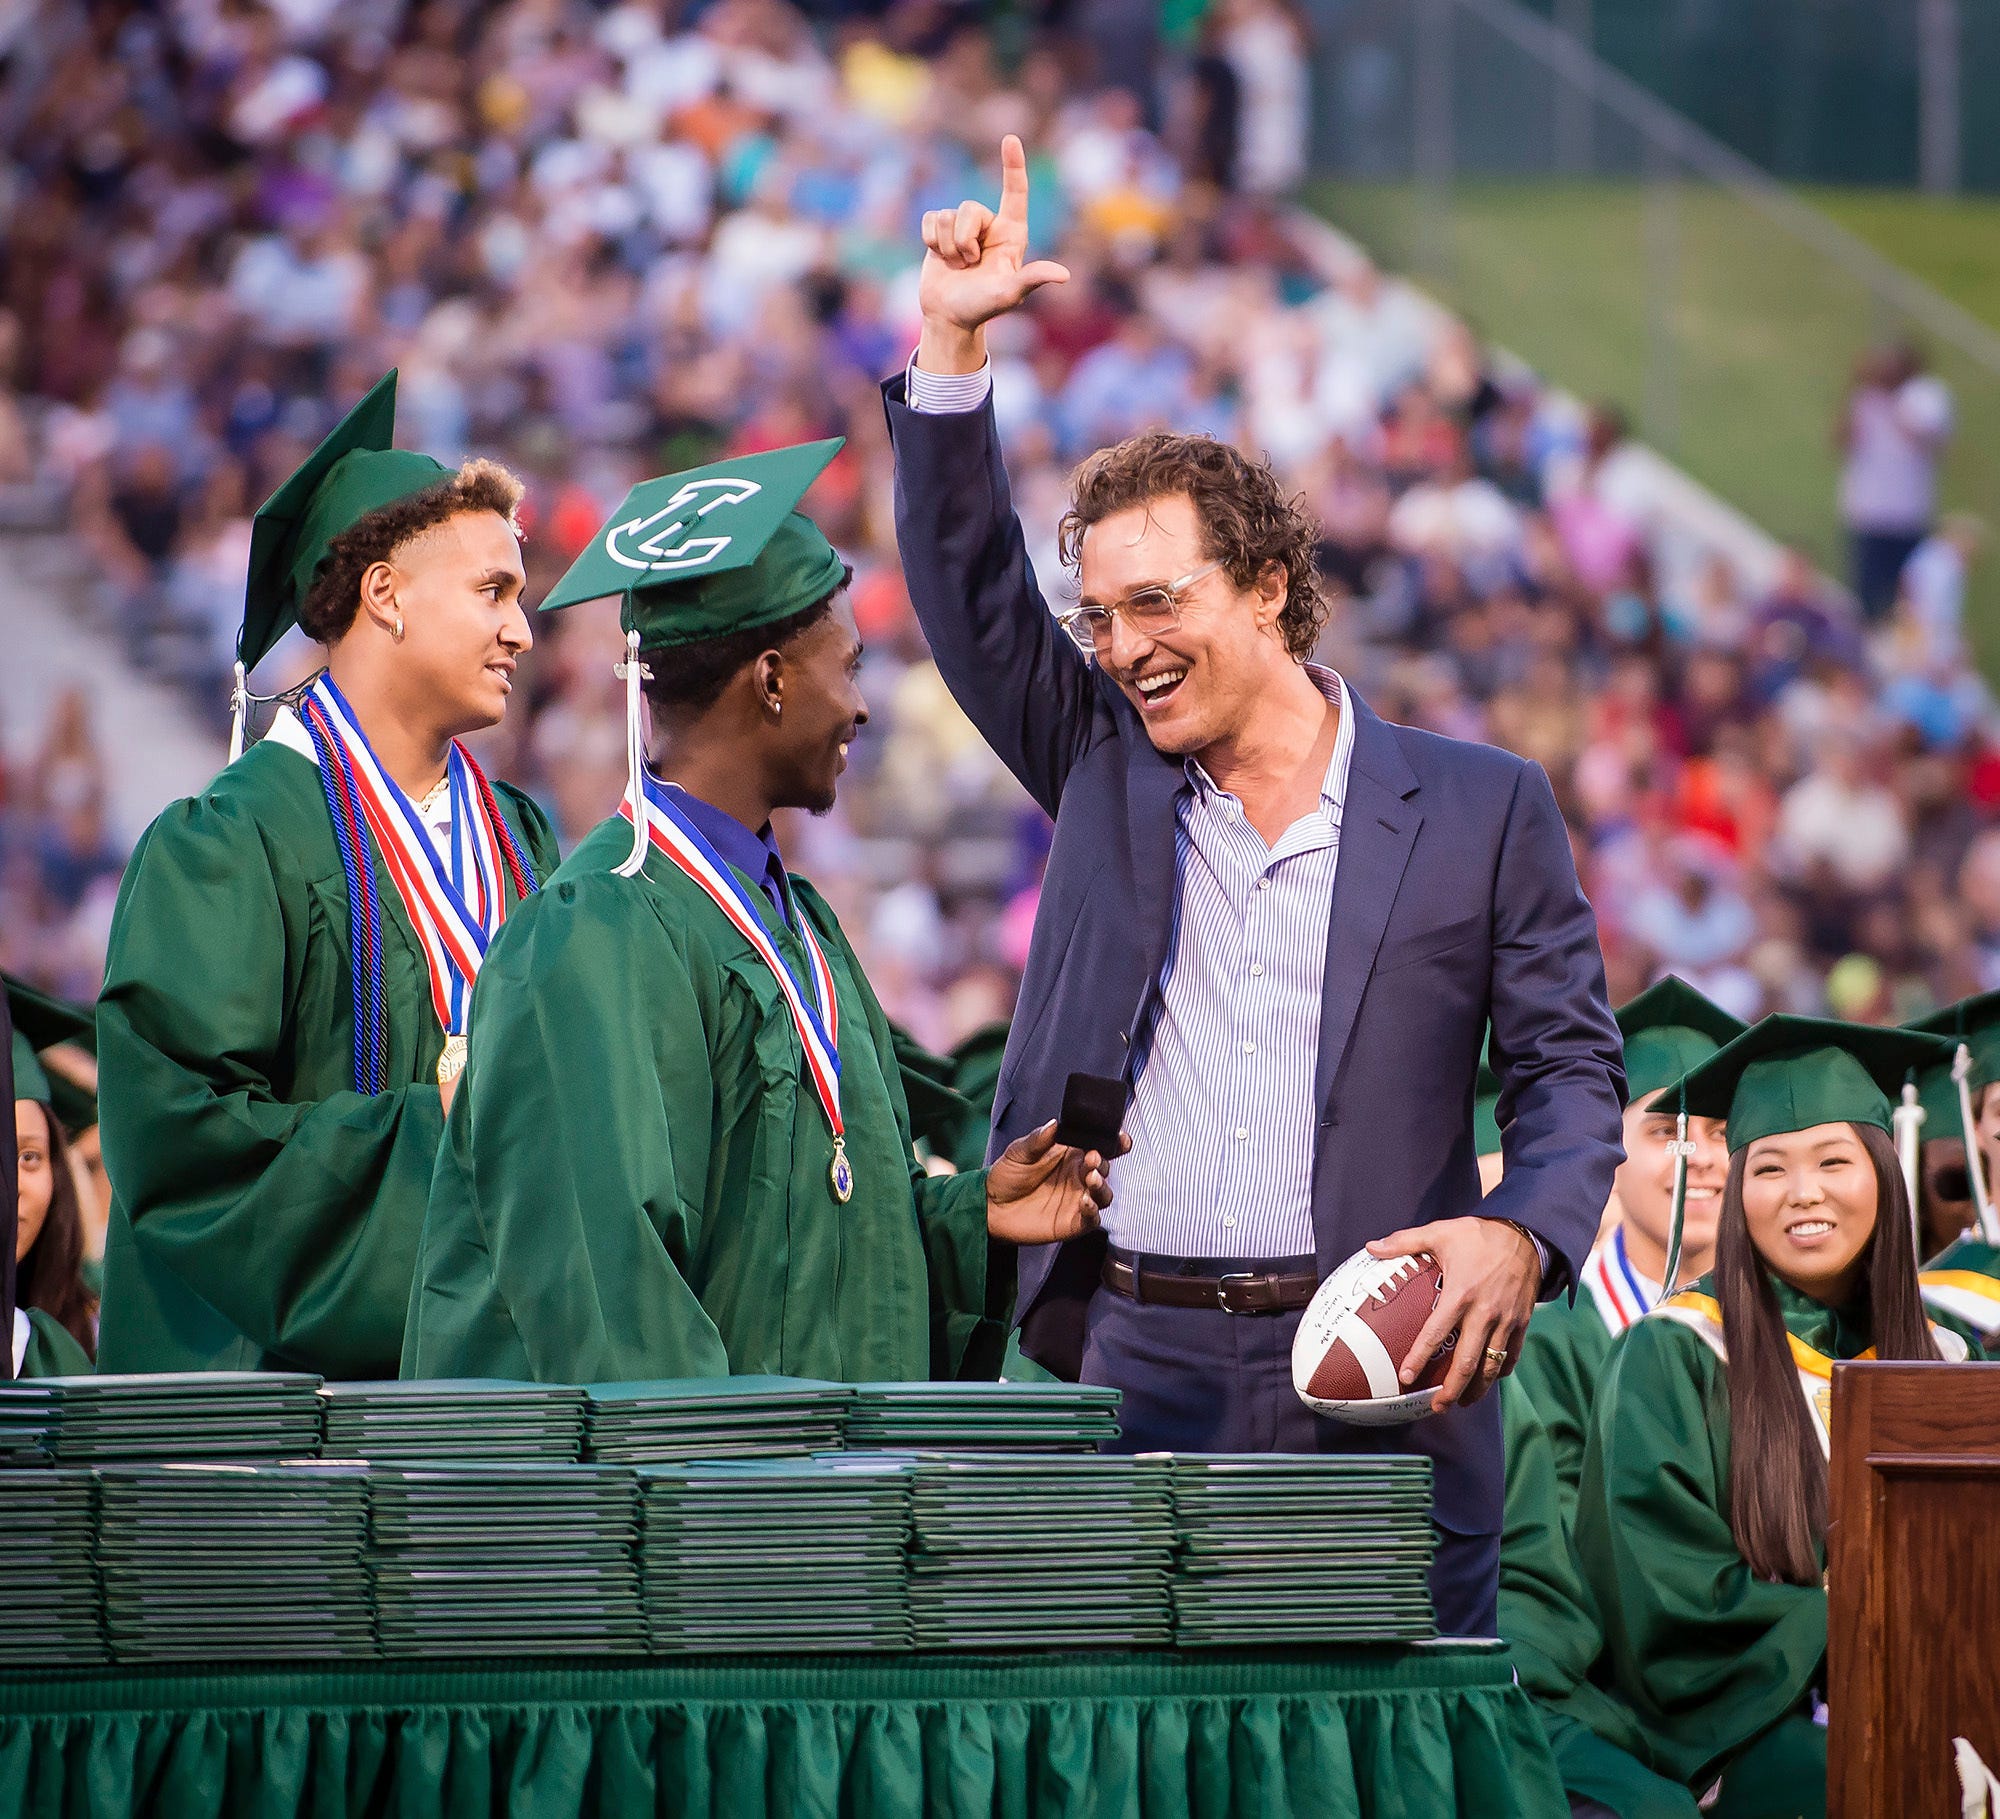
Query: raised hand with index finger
{"points": [[976, 267]]}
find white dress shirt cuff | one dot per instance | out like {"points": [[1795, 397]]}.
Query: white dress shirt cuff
{"points": [[948, 394]]}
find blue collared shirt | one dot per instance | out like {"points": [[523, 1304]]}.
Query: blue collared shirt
{"points": [[1222, 1118], [754, 855]]}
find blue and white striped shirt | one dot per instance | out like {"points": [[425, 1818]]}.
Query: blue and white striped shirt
{"points": [[1222, 1118]]}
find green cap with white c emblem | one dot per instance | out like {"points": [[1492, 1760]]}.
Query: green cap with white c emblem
{"points": [[719, 549]]}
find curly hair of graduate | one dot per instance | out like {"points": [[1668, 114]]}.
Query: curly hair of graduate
{"points": [[1248, 521], [479, 486]]}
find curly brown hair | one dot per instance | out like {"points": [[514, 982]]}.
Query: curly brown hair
{"points": [[335, 596], [1247, 520]]}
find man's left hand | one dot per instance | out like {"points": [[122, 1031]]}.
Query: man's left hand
{"points": [[1492, 1277], [1041, 1191]]}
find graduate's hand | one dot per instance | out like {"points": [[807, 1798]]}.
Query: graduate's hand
{"points": [[1042, 1191], [1491, 1279], [976, 267]]}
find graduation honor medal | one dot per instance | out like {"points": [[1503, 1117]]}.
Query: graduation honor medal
{"points": [[815, 1014], [455, 905]]}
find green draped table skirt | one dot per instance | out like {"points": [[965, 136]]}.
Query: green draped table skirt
{"points": [[1416, 1733]]}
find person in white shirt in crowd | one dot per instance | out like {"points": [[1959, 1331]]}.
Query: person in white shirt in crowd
{"points": [[1892, 435]]}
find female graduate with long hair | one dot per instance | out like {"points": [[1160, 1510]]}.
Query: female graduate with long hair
{"points": [[1702, 1512], [52, 1334]]}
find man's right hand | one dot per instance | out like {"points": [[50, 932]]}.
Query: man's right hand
{"points": [[975, 268]]}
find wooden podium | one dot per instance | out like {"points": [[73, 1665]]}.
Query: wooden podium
{"points": [[1913, 1563]]}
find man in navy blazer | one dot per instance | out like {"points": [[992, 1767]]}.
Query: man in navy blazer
{"points": [[1285, 923]]}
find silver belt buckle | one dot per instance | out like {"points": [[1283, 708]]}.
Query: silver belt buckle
{"points": [[1222, 1289]]}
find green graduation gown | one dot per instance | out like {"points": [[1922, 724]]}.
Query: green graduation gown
{"points": [[1548, 1620], [264, 1214], [52, 1350], [634, 1181], [1710, 1658], [1561, 1361], [1962, 1283]]}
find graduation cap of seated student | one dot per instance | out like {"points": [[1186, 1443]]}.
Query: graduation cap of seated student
{"points": [[1790, 1073], [355, 471], [42, 1023], [1946, 1089], [698, 555], [1670, 1028]]}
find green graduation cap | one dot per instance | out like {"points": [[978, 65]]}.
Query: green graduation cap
{"points": [[1669, 1029], [1974, 1021], [355, 471], [1791, 1073], [696, 555], [1974, 1024], [42, 1022], [718, 549]]}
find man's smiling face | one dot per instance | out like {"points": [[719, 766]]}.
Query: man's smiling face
{"points": [[1195, 682]]}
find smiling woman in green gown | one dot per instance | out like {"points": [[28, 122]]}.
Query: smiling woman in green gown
{"points": [[683, 1147], [51, 1305], [284, 988], [1702, 1511]]}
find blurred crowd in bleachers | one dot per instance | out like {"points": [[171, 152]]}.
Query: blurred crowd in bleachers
{"points": [[608, 241]]}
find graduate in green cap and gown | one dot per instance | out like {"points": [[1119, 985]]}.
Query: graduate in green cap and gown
{"points": [[1701, 1515], [52, 1332], [1962, 1115], [1667, 1029], [1550, 1624], [683, 1148], [294, 949]]}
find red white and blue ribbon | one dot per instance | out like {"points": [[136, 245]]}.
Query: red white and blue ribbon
{"points": [[456, 901], [814, 1009], [1615, 1286]]}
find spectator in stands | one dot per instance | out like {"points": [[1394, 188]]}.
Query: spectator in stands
{"points": [[1892, 434]]}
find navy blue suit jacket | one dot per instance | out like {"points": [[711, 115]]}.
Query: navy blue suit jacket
{"points": [[1455, 904]]}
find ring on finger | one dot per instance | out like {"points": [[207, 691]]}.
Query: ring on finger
{"points": [[1496, 1360]]}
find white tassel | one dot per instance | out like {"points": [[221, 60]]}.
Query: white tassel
{"points": [[239, 713], [1975, 1163], [634, 672], [1683, 1149], [1908, 1118]]}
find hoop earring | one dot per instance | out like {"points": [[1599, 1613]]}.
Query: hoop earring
{"points": [[397, 634]]}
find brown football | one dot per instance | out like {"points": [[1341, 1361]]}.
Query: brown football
{"points": [[1395, 1313], [1350, 1346]]}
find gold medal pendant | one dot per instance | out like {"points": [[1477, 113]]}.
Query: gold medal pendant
{"points": [[451, 1063], [841, 1174]]}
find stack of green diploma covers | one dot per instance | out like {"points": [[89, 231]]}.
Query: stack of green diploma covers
{"points": [[48, 1560], [776, 1556], [505, 1560], [476, 1418], [235, 1562], [1020, 1417], [174, 1415], [1015, 1553], [713, 1418], [1296, 1547]]}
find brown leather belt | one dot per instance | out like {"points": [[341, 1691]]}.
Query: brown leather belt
{"points": [[1253, 1288]]}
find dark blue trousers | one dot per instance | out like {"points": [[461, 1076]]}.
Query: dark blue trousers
{"points": [[1202, 1381]]}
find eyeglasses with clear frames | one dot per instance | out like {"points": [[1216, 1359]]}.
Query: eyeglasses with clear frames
{"points": [[1149, 611]]}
